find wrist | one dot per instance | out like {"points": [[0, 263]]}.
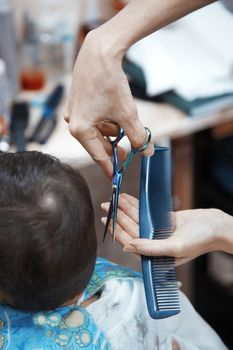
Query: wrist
{"points": [[224, 231], [107, 44], [227, 233]]}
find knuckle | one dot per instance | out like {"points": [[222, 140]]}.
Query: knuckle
{"points": [[73, 130], [100, 158], [77, 129], [66, 116], [139, 141], [129, 113]]}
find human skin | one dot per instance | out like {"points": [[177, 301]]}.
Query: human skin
{"points": [[196, 232], [100, 99]]}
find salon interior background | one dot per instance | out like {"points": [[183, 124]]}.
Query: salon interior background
{"points": [[182, 80]]}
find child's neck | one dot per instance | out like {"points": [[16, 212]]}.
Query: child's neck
{"points": [[73, 300]]}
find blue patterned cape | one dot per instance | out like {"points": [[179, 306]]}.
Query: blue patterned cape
{"points": [[70, 327]]}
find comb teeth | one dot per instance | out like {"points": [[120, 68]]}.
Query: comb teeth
{"points": [[164, 284], [161, 234]]}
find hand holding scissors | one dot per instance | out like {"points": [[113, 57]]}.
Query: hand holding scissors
{"points": [[118, 176]]}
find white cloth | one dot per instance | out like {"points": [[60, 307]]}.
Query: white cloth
{"points": [[121, 312], [193, 56]]}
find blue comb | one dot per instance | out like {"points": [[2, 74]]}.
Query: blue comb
{"points": [[155, 217]]}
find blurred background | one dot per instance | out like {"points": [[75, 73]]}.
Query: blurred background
{"points": [[182, 81]]}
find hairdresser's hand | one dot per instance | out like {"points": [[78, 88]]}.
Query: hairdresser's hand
{"points": [[197, 232], [100, 90], [99, 99]]}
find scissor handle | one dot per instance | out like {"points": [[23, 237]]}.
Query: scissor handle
{"points": [[145, 144], [136, 150], [114, 143], [114, 140]]}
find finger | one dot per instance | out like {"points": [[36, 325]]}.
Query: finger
{"points": [[108, 129], [108, 147], [105, 206], [128, 209], [88, 137], [122, 154], [132, 200], [126, 223], [126, 206], [122, 237], [136, 133], [150, 247]]}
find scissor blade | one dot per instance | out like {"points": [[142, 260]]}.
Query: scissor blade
{"points": [[115, 208], [110, 210]]}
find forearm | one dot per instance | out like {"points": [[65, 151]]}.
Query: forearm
{"points": [[141, 18]]}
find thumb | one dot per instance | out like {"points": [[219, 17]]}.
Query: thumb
{"points": [[150, 247]]}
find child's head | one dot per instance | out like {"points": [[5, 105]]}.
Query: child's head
{"points": [[47, 233]]}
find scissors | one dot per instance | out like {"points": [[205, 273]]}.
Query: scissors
{"points": [[118, 176]]}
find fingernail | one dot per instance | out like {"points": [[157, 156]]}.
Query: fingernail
{"points": [[150, 150], [103, 220], [104, 205], [129, 249]]}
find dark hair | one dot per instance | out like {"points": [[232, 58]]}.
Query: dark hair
{"points": [[47, 233]]}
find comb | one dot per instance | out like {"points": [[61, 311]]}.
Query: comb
{"points": [[155, 219]]}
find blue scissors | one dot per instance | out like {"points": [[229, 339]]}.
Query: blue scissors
{"points": [[118, 176]]}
